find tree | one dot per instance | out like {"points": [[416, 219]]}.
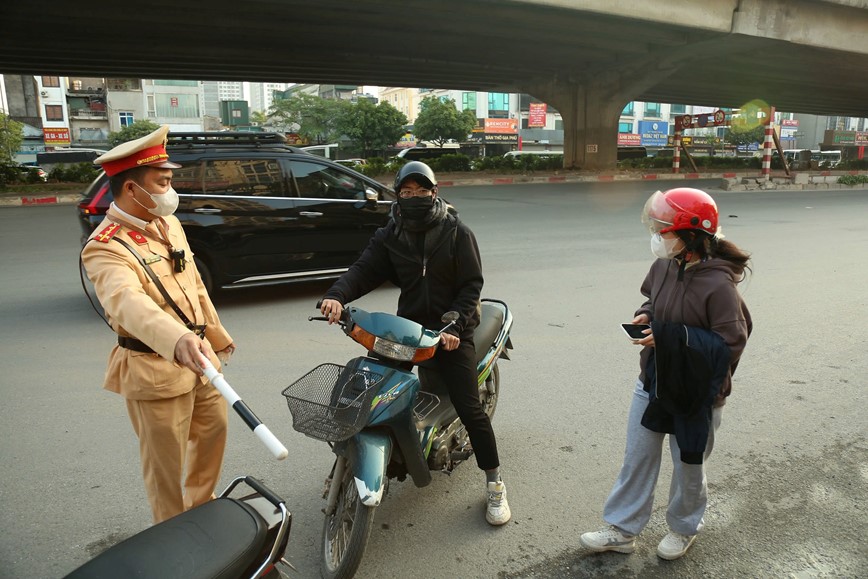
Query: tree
{"points": [[373, 127], [132, 132], [258, 118], [318, 119], [740, 135], [440, 121], [11, 137]]}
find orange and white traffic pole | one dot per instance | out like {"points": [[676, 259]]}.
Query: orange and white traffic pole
{"points": [[676, 152], [768, 143]]}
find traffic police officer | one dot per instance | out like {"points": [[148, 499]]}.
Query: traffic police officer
{"points": [[142, 270]]}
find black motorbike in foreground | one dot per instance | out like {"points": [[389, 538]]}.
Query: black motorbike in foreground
{"points": [[227, 538]]}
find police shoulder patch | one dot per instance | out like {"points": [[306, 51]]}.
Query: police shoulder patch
{"points": [[106, 234], [137, 237]]}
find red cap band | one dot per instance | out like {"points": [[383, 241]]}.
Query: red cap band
{"points": [[150, 156]]}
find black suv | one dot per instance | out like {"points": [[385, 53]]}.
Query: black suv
{"points": [[259, 212]]}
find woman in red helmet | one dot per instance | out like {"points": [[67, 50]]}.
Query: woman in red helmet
{"points": [[701, 325]]}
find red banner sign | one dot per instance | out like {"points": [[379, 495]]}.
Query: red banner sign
{"points": [[629, 140], [536, 117], [56, 136]]}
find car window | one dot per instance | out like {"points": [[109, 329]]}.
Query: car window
{"points": [[324, 182], [248, 177], [188, 179]]}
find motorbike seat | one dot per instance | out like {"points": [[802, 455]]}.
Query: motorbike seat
{"points": [[483, 338], [486, 332], [219, 539]]}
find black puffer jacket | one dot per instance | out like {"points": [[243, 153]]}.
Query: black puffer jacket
{"points": [[438, 270]]}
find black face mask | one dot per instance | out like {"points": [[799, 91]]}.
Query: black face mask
{"points": [[416, 208]]}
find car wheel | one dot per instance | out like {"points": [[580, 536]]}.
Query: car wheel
{"points": [[205, 274]]}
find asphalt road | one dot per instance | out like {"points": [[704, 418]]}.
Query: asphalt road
{"points": [[788, 478]]}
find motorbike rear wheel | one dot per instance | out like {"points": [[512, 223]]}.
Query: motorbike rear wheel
{"points": [[345, 533], [489, 391]]}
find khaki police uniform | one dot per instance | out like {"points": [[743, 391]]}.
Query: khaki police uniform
{"points": [[179, 418]]}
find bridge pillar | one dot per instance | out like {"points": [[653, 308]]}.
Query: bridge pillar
{"points": [[590, 111]]}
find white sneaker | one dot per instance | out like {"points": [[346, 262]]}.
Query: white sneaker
{"points": [[497, 509], [608, 539], [674, 545]]}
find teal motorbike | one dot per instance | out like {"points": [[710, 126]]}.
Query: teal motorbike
{"points": [[383, 421]]}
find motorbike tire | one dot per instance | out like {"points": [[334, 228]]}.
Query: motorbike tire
{"points": [[345, 533], [489, 391]]}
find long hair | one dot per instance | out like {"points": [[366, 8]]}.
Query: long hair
{"points": [[713, 246]]}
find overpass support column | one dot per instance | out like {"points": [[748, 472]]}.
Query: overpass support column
{"points": [[590, 112]]}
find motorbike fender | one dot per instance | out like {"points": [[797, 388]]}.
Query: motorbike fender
{"points": [[370, 456]]}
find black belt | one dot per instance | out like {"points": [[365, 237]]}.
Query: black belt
{"points": [[139, 346], [134, 345]]}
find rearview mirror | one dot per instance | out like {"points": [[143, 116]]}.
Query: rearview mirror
{"points": [[371, 195], [449, 317]]}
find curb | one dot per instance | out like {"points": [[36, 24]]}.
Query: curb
{"points": [[603, 178], [26, 200]]}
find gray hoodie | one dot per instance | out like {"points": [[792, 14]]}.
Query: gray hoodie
{"points": [[706, 298]]}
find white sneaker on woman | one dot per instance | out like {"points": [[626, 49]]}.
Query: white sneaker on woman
{"points": [[674, 545], [608, 539]]}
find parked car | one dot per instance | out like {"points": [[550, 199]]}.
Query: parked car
{"points": [[513, 154], [259, 212], [425, 154], [37, 172]]}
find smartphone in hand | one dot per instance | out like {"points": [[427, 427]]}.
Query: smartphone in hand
{"points": [[635, 331]]}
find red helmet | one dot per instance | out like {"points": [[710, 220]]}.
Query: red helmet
{"points": [[680, 208]]}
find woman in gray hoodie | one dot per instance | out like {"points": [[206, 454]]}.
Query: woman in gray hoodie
{"points": [[693, 283]]}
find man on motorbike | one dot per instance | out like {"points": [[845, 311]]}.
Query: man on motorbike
{"points": [[434, 259]]}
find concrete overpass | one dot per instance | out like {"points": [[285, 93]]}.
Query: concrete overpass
{"points": [[587, 58]]}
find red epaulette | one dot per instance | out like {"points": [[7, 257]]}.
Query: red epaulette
{"points": [[106, 234], [137, 237]]}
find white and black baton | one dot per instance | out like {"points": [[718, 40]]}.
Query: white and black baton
{"points": [[260, 430]]}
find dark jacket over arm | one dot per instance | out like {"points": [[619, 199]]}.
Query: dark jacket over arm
{"points": [[440, 273]]}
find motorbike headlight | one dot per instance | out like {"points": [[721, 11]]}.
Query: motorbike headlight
{"points": [[393, 350]]}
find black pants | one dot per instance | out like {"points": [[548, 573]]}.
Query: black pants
{"points": [[458, 370]]}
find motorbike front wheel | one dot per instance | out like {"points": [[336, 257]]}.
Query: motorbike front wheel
{"points": [[345, 533]]}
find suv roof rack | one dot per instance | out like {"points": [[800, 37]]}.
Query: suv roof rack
{"points": [[238, 138]]}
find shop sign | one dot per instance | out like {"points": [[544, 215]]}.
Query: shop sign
{"points": [[629, 140], [653, 133], [789, 122], [501, 126], [500, 138], [56, 136]]}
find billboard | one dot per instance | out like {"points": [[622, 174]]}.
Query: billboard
{"points": [[653, 133]]}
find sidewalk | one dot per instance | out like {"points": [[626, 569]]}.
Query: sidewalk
{"points": [[733, 181]]}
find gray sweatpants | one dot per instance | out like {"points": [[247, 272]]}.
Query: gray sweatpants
{"points": [[632, 498]]}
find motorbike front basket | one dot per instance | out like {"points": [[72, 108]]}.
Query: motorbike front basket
{"points": [[332, 402]]}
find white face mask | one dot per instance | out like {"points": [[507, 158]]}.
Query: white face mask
{"points": [[167, 203], [665, 248]]}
